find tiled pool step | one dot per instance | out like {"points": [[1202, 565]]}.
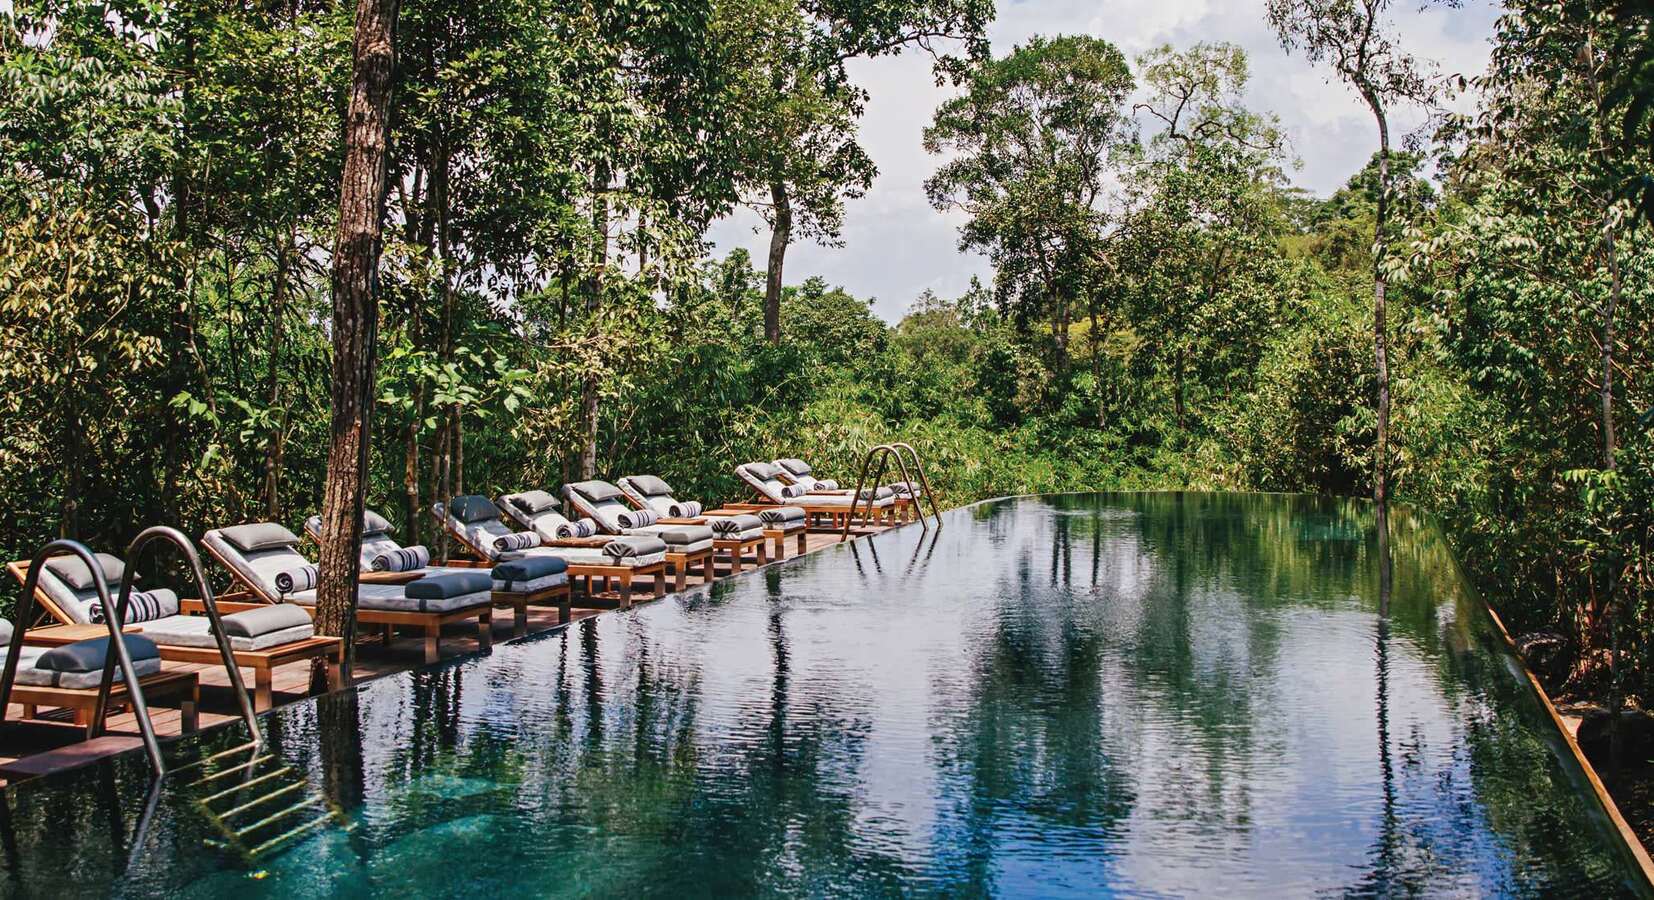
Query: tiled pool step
{"points": [[259, 802]]}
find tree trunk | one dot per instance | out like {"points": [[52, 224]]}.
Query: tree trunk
{"points": [[594, 300], [1610, 244], [1381, 347], [272, 381], [355, 320], [781, 234]]}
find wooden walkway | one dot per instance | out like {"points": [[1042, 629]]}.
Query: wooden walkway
{"points": [[374, 659]]}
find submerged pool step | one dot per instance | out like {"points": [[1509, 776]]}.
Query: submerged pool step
{"points": [[260, 804]]}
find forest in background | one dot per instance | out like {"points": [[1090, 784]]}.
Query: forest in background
{"points": [[1167, 309]]}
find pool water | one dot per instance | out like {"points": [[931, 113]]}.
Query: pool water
{"points": [[1113, 694]]}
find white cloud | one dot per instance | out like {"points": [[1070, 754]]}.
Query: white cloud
{"points": [[896, 245]]}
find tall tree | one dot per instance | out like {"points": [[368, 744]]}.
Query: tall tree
{"points": [[801, 157], [1356, 39], [1033, 141], [355, 318]]}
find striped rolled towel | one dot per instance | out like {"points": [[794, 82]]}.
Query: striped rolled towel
{"points": [[687, 509], [826, 484], [402, 559], [789, 491], [517, 540], [297, 580], [633, 546], [142, 606], [903, 488], [781, 516], [583, 528], [637, 518]]}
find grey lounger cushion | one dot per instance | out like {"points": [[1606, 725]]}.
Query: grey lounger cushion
{"points": [[80, 665], [534, 502], [473, 508], [795, 467], [73, 572], [445, 587], [195, 631], [633, 545], [530, 574], [782, 516], [258, 536], [649, 485], [678, 537], [253, 623], [596, 491]]}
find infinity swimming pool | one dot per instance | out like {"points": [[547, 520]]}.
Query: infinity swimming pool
{"points": [[1132, 694]]}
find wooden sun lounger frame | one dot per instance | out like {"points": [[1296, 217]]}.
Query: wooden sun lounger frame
{"points": [[516, 601], [681, 563], [428, 622], [262, 662], [624, 575]]}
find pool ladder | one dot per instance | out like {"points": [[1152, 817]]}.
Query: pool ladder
{"points": [[883, 453], [258, 802], [114, 618]]}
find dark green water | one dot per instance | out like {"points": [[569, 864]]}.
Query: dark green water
{"points": [[1146, 695]]}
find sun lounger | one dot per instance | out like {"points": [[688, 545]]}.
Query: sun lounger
{"points": [[258, 641], [67, 676], [479, 526], [770, 490], [689, 545], [264, 559], [383, 560], [798, 472], [737, 531]]}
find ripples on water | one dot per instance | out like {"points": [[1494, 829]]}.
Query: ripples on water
{"points": [[1155, 694]]}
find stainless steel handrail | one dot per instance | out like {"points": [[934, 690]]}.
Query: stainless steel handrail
{"points": [[884, 452], [924, 482], [113, 617], [209, 605]]}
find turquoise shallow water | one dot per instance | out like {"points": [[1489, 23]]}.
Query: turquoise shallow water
{"points": [[1130, 694]]}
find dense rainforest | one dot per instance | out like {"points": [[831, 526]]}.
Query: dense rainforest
{"points": [[1167, 310]]}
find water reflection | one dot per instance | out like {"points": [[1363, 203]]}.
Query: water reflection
{"points": [[1159, 693]]}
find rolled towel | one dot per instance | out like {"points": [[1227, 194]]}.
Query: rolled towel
{"points": [[581, 529], [518, 540], [142, 606], [633, 545], [875, 493], [903, 488], [687, 509], [297, 580], [781, 516], [826, 484], [637, 518], [729, 527], [404, 559], [790, 491]]}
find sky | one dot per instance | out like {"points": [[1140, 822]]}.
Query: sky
{"points": [[896, 245]]}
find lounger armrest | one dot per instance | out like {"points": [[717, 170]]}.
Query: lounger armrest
{"points": [[389, 577], [697, 520], [596, 540]]}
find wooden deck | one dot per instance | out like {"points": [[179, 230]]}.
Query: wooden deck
{"points": [[374, 659]]}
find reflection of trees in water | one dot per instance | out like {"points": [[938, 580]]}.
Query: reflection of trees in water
{"points": [[1020, 753]]}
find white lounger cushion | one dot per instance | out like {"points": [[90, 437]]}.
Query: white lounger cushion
{"points": [[193, 631], [29, 675]]}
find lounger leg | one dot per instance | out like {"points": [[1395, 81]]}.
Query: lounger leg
{"points": [[30, 711], [433, 638], [564, 611], [735, 560], [261, 689], [708, 573], [681, 568], [519, 625], [187, 711], [763, 554], [335, 672], [801, 542], [485, 628], [625, 590], [660, 583]]}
